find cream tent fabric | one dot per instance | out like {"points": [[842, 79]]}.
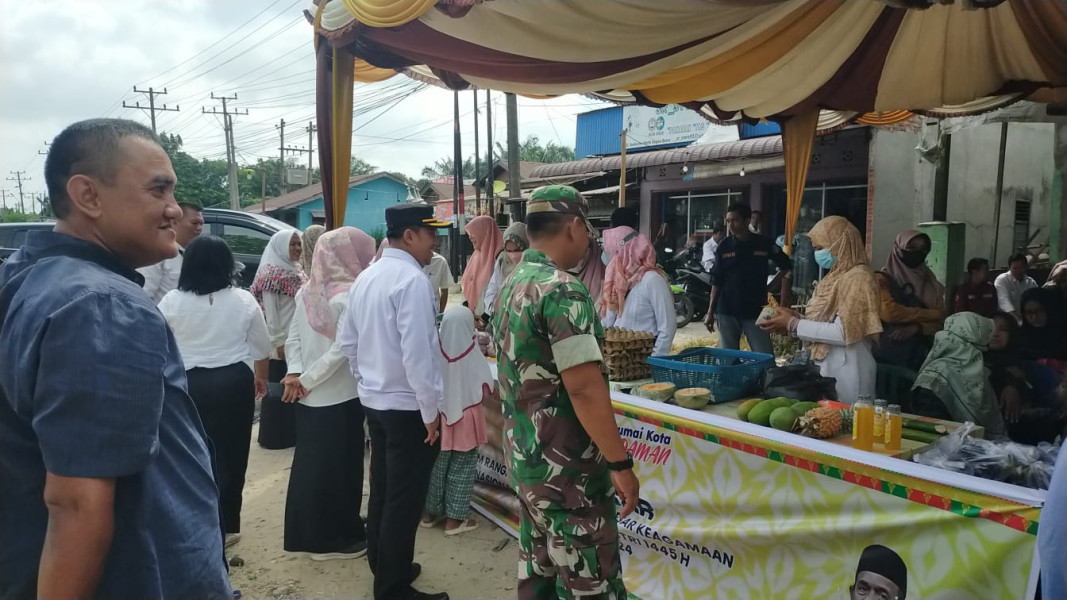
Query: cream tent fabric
{"points": [[876, 61]]}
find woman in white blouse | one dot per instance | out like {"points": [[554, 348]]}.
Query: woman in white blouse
{"points": [[326, 481], [277, 280], [636, 293], [224, 343]]}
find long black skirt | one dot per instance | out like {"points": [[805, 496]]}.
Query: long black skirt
{"points": [[326, 482], [277, 420]]}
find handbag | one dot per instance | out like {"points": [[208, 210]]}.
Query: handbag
{"points": [[802, 382]]}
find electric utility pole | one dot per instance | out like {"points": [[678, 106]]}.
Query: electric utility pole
{"points": [[19, 179], [231, 151], [311, 129], [151, 109]]}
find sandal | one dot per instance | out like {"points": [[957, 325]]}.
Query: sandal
{"points": [[468, 525], [430, 524]]}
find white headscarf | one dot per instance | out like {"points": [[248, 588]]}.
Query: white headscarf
{"points": [[466, 370], [277, 272]]}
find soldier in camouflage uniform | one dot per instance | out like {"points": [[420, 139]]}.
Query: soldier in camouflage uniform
{"points": [[559, 430]]}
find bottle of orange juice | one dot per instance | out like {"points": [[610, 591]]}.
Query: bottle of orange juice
{"points": [[863, 424], [893, 423]]}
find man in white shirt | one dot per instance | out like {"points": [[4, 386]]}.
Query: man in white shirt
{"points": [[1011, 285], [440, 279], [390, 340], [756, 224], [718, 232], [162, 277]]}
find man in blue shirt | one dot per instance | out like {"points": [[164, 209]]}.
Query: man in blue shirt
{"points": [[107, 489]]}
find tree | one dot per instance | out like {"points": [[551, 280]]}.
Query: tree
{"points": [[204, 181], [531, 150], [444, 168], [361, 167]]}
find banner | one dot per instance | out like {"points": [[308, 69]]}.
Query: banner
{"points": [[727, 514], [656, 126]]}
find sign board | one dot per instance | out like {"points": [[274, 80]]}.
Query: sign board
{"points": [[671, 124], [725, 513], [297, 176]]}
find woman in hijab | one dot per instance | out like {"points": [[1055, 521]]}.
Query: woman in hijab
{"points": [[636, 293], [515, 243], [953, 383], [912, 302], [308, 239], [1026, 390], [326, 481], [1043, 332], [487, 242], [275, 286], [842, 322], [468, 381]]}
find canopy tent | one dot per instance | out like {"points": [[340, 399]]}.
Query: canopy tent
{"points": [[807, 65]]}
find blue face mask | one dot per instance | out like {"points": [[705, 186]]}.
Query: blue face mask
{"points": [[824, 259], [605, 257]]}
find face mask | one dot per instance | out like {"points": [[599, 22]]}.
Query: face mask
{"points": [[605, 257], [912, 258], [824, 259], [515, 257]]}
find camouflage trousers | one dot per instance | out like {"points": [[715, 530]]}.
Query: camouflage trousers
{"points": [[569, 553]]}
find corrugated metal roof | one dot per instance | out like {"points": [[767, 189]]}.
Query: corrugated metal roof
{"points": [[765, 146], [311, 192]]}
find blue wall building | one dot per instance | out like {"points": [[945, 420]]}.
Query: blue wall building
{"points": [[368, 197]]}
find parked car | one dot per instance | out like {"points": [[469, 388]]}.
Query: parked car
{"points": [[247, 235], [13, 235]]}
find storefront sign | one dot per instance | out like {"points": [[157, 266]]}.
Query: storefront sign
{"points": [[671, 124], [726, 514]]}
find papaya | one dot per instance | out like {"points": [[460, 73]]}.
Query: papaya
{"points": [[783, 418], [802, 408], [746, 406], [761, 413]]}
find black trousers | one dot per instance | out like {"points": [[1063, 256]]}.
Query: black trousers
{"points": [[225, 399], [400, 465], [277, 419], [326, 482]]}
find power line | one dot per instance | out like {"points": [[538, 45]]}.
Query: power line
{"points": [[231, 153], [151, 109]]}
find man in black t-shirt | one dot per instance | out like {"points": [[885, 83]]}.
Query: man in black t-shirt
{"points": [[739, 283]]}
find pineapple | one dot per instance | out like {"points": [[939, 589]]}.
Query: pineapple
{"points": [[821, 423]]}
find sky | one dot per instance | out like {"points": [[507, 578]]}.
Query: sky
{"points": [[66, 60]]}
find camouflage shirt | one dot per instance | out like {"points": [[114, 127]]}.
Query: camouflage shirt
{"points": [[547, 324]]}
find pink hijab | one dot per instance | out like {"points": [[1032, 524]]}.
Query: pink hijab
{"points": [[340, 256], [632, 255], [488, 242]]}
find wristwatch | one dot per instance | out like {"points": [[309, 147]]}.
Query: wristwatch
{"points": [[622, 465]]}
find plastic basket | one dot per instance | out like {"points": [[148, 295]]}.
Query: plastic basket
{"points": [[729, 374]]}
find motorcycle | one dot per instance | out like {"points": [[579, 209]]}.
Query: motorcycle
{"points": [[696, 285], [686, 261]]}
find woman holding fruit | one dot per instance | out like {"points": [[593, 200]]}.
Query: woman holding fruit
{"points": [[841, 322]]}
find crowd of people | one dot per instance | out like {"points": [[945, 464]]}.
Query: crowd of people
{"points": [[131, 453]]}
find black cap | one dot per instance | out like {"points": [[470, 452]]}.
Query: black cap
{"points": [[883, 561], [409, 215]]}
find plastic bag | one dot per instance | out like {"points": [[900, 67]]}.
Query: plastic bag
{"points": [[801, 382], [1010, 462]]}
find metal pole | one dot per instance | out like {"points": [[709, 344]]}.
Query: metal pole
{"points": [[999, 192], [477, 160], [514, 176], [281, 164], [263, 188], [941, 180], [311, 132], [152, 107], [622, 170], [457, 184], [489, 162]]}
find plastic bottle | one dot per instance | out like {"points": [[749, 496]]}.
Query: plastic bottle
{"points": [[893, 423], [863, 425], [879, 419]]}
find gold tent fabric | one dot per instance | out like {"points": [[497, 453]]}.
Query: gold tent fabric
{"points": [[733, 60]]}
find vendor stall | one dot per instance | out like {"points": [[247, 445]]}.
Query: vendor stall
{"points": [[731, 509]]}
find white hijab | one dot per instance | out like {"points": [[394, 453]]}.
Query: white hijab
{"points": [[276, 254], [466, 370]]}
